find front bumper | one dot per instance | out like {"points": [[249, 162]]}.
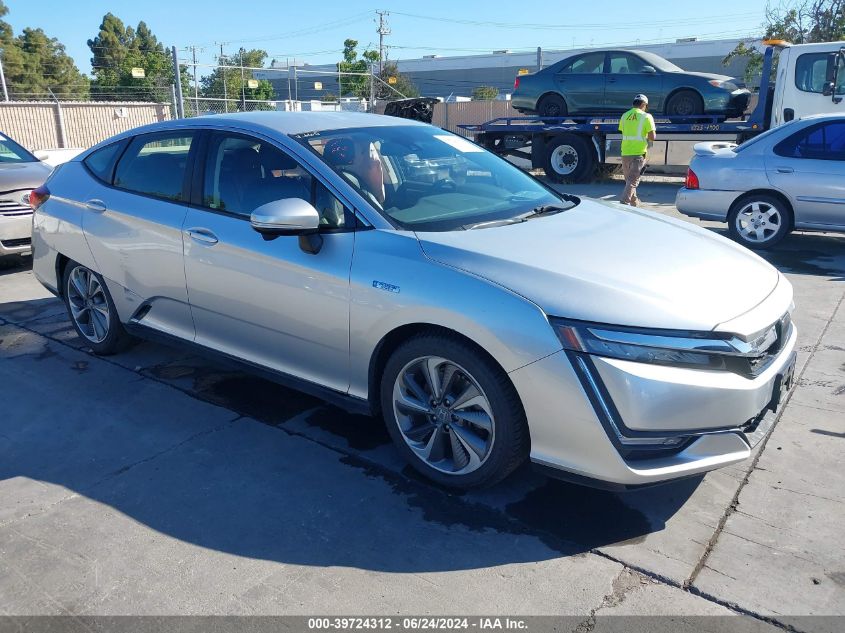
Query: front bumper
{"points": [[720, 417], [15, 233], [706, 204]]}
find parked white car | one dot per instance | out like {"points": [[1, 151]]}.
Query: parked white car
{"points": [[791, 177]]}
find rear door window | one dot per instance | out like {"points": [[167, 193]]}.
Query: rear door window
{"points": [[592, 63], [824, 141], [155, 165], [101, 162]]}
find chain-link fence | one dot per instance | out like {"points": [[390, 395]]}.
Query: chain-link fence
{"points": [[222, 88]]}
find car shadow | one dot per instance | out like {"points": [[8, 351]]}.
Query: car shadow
{"points": [[309, 485]]}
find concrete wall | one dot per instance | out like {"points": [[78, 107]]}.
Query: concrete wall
{"points": [[43, 125]]}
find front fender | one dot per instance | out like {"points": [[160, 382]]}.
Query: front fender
{"points": [[393, 284]]}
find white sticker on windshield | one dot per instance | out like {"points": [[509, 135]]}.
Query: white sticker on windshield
{"points": [[460, 144]]}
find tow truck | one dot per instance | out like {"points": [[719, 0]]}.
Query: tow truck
{"points": [[797, 80]]}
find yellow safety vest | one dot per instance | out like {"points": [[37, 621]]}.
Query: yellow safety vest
{"points": [[635, 126]]}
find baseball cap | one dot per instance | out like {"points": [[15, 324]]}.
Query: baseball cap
{"points": [[641, 97]]}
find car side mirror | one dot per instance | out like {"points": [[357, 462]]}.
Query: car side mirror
{"points": [[649, 70], [289, 216]]}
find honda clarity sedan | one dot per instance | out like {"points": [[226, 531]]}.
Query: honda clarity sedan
{"points": [[399, 270]]}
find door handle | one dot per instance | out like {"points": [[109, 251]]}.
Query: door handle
{"points": [[98, 206], [202, 235], [785, 170], [611, 80]]}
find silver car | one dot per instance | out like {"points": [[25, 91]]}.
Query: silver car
{"points": [[20, 173], [790, 177], [397, 269]]}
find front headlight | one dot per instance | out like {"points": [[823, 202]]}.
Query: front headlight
{"points": [[724, 85], [699, 350]]}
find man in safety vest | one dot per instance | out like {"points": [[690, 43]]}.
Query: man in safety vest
{"points": [[637, 127]]}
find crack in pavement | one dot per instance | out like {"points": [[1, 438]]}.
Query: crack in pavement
{"points": [[732, 506]]}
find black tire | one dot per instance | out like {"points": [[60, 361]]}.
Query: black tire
{"points": [[116, 338], [552, 106], [569, 158], [685, 103], [773, 215], [509, 439]]}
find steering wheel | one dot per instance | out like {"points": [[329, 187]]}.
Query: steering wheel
{"points": [[445, 184]]}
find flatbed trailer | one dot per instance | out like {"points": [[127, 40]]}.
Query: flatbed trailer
{"points": [[575, 148]]}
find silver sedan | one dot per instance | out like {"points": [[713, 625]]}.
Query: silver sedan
{"points": [[20, 173], [397, 269], [791, 177]]}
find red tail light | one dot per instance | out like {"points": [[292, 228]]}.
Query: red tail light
{"points": [[516, 84], [692, 180], [38, 196]]}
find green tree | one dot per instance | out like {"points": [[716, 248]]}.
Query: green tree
{"points": [[484, 93], [357, 85], [799, 22], [117, 49], [35, 64], [397, 83], [228, 82]]}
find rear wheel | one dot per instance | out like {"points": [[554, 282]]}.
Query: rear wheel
{"points": [[685, 103], [759, 221], [552, 106], [92, 310], [452, 413], [569, 158]]}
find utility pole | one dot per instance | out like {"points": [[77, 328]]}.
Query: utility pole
{"points": [[3, 81], [222, 62], [243, 81], [196, 85], [180, 106], [383, 30]]}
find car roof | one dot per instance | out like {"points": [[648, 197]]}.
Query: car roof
{"points": [[833, 116], [285, 123]]}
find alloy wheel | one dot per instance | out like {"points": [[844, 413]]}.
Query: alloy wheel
{"points": [[89, 306], [443, 414], [758, 222]]}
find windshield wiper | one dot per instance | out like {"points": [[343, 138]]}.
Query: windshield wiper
{"points": [[492, 223], [546, 209]]}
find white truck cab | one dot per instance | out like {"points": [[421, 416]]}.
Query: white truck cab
{"points": [[810, 80]]}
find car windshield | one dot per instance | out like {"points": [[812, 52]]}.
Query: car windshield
{"points": [[659, 63], [426, 179], [11, 152]]}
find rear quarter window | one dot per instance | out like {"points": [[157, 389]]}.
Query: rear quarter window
{"points": [[101, 163]]}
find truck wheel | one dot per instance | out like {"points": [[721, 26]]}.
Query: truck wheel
{"points": [[569, 158], [759, 221], [685, 103], [552, 106]]}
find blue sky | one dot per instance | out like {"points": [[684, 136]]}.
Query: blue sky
{"points": [[314, 32]]}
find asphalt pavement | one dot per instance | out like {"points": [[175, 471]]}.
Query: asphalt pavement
{"points": [[156, 482]]}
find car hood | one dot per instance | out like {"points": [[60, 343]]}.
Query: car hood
{"points": [[606, 263], [710, 76], [22, 175]]}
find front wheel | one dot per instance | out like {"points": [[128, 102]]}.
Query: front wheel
{"points": [[759, 221], [685, 103], [91, 310], [452, 413], [569, 158]]}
